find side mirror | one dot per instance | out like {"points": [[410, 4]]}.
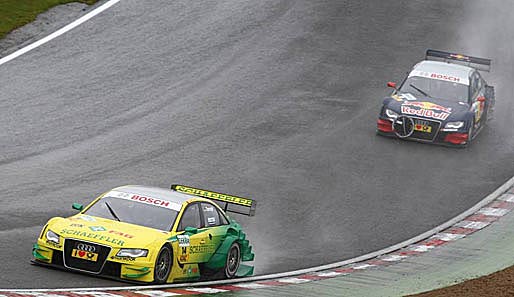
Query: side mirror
{"points": [[191, 230], [77, 206], [481, 99], [391, 85]]}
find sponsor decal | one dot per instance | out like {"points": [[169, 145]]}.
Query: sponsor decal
{"points": [[428, 105], [87, 218], [99, 237], [90, 256], [425, 113], [145, 199], [459, 56], [56, 245], [183, 240], [208, 208], [214, 195], [397, 98], [422, 128], [440, 76], [85, 251], [76, 225], [121, 234], [211, 220], [190, 270], [445, 77], [128, 259], [150, 200], [101, 228], [184, 255], [201, 249], [407, 96]]}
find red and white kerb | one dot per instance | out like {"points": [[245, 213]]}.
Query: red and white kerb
{"points": [[145, 199]]}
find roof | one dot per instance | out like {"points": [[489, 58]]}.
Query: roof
{"points": [[442, 71], [154, 192]]}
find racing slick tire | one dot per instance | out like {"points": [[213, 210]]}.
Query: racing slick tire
{"points": [[233, 260], [163, 265], [470, 133], [489, 94]]}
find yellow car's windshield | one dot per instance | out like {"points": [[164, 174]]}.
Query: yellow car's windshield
{"points": [[133, 212]]}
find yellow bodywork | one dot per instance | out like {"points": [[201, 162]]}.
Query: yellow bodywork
{"points": [[93, 244], [120, 235]]}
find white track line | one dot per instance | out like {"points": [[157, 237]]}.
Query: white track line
{"points": [[59, 32]]}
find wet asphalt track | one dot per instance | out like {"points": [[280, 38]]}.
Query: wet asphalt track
{"points": [[275, 100]]}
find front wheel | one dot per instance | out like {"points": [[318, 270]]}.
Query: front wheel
{"points": [[470, 134], [233, 260], [470, 131], [163, 264]]}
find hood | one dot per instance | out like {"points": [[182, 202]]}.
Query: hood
{"points": [[104, 231], [426, 107]]}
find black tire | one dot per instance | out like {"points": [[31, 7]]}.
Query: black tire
{"points": [[163, 265], [471, 130], [489, 94], [470, 133], [233, 260]]}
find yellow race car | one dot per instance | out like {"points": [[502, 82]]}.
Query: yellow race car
{"points": [[151, 235]]}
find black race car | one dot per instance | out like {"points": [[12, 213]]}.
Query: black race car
{"points": [[443, 99]]}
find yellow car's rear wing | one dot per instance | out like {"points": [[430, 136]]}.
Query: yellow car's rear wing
{"points": [[230, 203]]}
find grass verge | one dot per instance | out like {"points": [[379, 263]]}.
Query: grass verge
{"points": [[16, 13]]}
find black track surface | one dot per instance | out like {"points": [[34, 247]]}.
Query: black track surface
{"points": [[275, 100]]}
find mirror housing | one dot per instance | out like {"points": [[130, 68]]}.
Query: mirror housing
{"points": [[77, 206], [481, 99], [391, 85]]}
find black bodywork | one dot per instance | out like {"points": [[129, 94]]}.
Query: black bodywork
{"points": [[425, 118]]}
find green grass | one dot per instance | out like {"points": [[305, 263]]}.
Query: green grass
{"points": [[16, 13]]}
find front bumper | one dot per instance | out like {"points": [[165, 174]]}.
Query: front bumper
{"points": [[457, 138], [133, 270]]}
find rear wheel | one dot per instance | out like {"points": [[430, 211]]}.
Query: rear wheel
{"points": [[233, 260], [163, 264]]}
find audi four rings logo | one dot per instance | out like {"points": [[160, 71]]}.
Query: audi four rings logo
{"points": [[403, 126], [86, 247]]}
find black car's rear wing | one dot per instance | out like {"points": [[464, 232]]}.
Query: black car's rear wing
{"points": [[235, 204], [477, 63]]}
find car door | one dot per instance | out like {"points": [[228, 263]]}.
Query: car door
{"points": [[215, 224], [193, 247]]}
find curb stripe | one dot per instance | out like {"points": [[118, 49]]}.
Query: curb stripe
{"points": [[490, 210]]}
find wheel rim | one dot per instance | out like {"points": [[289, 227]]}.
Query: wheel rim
{"points": [[233, 261], [162, 265]]}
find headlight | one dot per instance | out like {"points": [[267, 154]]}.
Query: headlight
{"points": [[52, 236], [454, 125], [391, 113], [133, 253]]}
